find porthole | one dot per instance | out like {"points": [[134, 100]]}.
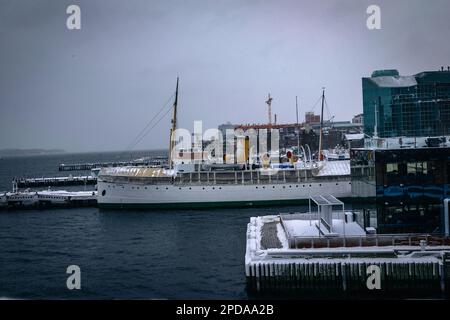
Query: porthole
{"points": [[103, 193], [273, 187], [190, 188]]}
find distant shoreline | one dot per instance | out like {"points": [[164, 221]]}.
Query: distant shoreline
{"points": [[14, 153], [8, 153]]}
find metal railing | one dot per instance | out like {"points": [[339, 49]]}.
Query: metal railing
{"points": [[369, 240], [246, 177]]}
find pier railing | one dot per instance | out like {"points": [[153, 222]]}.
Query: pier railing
{"points": [[370, 240]]}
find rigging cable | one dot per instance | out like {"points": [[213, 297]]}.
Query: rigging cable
{"points": [[145, 130], [316, 104]]}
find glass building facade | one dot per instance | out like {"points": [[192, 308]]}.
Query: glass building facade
{"points": [[407, 186], [410, 106]]}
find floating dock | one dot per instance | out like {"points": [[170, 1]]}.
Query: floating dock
{"points": [[301, 253], [49, 198]]}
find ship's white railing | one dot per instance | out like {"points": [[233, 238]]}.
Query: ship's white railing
{"points": [[227, 177], [251, 177]]}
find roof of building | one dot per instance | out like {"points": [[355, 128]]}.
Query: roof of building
{"points": [[383, 73], [433, 76], [394, 81]]}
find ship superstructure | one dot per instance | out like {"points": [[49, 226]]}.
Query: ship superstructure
{"points": [[199, 183]]}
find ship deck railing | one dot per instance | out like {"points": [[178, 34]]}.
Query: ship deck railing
{"points": [[225, 177]]}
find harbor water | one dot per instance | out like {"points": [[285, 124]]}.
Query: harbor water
{"points": [[154, 254]]}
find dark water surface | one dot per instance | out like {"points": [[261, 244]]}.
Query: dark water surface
{"points": [[122, 254]]}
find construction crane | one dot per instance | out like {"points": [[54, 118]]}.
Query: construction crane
{"points": [[269, 106]]}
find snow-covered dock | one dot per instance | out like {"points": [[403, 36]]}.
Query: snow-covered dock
{"points": [[329, 250], [49, 198]]}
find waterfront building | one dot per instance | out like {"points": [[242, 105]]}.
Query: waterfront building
{"points": [[311, 118], [408, 106], [407, 179], [292, 134]]}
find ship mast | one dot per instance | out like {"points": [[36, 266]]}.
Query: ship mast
{"points": [[269, 108], [320, 158], [298, 128], [174, 126]]}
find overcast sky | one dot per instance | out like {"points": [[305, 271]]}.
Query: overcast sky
{"points": [[96, 88]]}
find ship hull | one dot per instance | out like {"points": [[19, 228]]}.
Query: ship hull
{"points": [[138, 196]]}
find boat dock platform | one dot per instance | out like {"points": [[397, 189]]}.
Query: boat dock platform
{"points": [[54, 181], [47, 199], [312, 252]]}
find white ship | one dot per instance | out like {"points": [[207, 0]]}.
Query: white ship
{"points": [[132, 187], [201, 185]]}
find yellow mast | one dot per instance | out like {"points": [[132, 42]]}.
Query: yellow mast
{"points": [[174, 126]]}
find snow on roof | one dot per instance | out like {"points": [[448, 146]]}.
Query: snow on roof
{"points": [[335, 168], [395, 81], [354, 136], [327, 199]]}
